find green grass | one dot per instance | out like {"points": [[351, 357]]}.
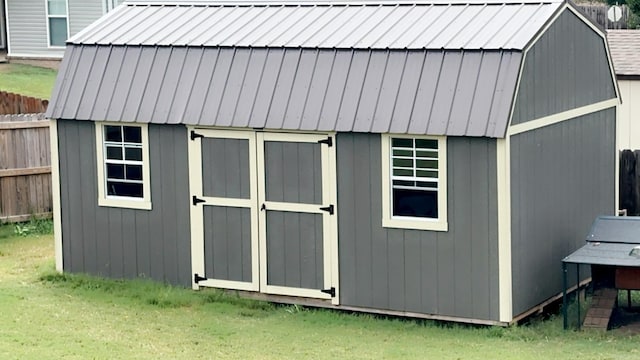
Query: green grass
{"points": [[27, 80], [46, 315]]}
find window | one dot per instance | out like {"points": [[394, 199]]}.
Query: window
{"points": [[57, 22], [414, 182], [123, 170]]}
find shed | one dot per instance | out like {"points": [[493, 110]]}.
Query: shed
{"points": [[625, 52], [424, 158]]}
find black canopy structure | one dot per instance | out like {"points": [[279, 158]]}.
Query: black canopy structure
{"points": [[612, 249]]}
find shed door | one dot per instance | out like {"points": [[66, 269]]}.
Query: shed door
{"points": [[224, 214], [297, 215]]}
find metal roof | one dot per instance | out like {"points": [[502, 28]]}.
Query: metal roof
{"points": [[596, 253], [609, 242], [625, 51], [400, 91], [615, 229], [383, 24]]}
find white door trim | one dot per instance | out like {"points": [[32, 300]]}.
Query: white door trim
{"points": [[197, 211]]}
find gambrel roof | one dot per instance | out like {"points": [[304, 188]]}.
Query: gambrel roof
{"points": [[419, 67]]}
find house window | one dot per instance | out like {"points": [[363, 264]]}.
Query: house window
{"points": [[123, 165], [57, 22], [414, 182]]}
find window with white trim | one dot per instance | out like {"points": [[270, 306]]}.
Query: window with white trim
{"points": [[57, 20], [123, 165], [414, 182]]}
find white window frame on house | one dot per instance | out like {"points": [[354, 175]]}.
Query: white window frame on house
{"points": [[129, 202], [51, 16], [389, 220]]}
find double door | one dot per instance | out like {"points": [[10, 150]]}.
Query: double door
{"points": [[263, 214]]}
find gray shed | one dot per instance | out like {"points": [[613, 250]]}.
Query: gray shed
{"points": [[424, 158]]}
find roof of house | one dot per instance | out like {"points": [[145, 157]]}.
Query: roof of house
{"points": [[416, 67], [362, 24], [625, 51]]}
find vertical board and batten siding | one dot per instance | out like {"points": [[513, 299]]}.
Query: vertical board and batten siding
{"points": [[27, 25], [562, 177], [577, 74], [118, 242], [453, 273]]}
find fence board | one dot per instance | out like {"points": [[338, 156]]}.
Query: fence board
{"points": [[11, 103], [25, 167], [598, 13]]}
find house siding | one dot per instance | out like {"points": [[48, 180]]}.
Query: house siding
{"points": [[453, 273], [577, 74], [562, 177], [27, 25], [629, 126], [125, 243]]}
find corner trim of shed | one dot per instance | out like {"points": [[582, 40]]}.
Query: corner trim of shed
{"points": [[55, 193], [504, 229]]}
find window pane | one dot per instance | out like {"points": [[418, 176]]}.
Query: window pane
{"points": [[115, 188], [402, 172], [403, 183], [426, 144], [426, 174], [133, 134], [427, 184], [115, 171], [400, 142], [408, 153], [57, 31], [427, 164], [415, 203], [114, 153], [131, 153], [403, 162], [113, 133], [134, 172], [427, 154], [57, 7]]}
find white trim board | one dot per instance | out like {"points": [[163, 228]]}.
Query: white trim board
{"points": [[560, 117], [505, 291], [55, 192]]}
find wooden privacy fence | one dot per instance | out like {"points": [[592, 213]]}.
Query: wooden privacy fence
{"points": [[25, 167], [598, 13], [18, 104]]}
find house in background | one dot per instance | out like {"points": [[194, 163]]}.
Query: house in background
{"points": [[38, 29], [418, 158], [625, 52]]}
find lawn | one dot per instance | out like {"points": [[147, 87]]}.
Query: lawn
{"points": [[27, 80], [47, 315]]}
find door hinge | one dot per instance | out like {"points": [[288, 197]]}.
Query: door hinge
{"points": [[328, 141], [195, 201], [197, 278], [331, 291], [195, 135], [328, 209]]}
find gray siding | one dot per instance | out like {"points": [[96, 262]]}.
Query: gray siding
{"points": [[227, 243], [294, 249], [434, 92], [27, 25], [84, 12], [562, 177], [293, 172], [225, 168], [451, 273], [127, 243], [565, 69]]}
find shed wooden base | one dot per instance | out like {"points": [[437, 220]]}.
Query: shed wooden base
{"points": [[327, 304]]}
